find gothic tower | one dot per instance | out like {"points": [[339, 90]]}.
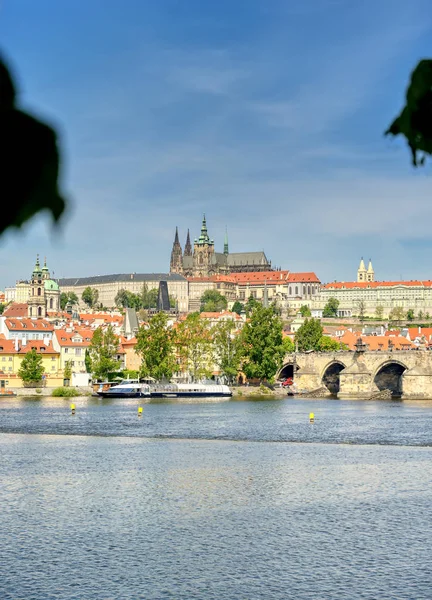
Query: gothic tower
{"points": [[188, 247], [370, 272], [226, 250], [361, 271], [37, 302], [176, 263], [203, 253]]}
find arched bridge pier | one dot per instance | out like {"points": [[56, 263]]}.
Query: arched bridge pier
{"points": [[407, 374]]}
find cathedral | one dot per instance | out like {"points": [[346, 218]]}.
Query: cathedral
{"points": [[203, 261], [44, 292]]}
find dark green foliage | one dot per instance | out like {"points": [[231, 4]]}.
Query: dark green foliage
{"points": [[327, 344], [305, 311], [87, 361], [156, 348], [67, 372], [30, 162], [227, 348], [263, 348], [410, 315], [288, 345], [194, 346], [331, 308], [309, 335], [2, 307], [90, 296], [250, 304], [68, 298], [146, 299], [238, 307], [415, 120], [213, 301], [31, 369], [103, 349]]}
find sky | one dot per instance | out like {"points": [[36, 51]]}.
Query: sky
{"points": [[267, 116]]}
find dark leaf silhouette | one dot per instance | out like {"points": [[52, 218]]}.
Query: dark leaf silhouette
{"points": [[415, 120], [29, 162]]}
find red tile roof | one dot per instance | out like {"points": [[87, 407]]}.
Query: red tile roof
{"points": [[274, 277], [28, 325], [65, 338], [39, 346], [16, 309], [338, 285]]}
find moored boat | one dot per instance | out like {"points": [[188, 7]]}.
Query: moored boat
{"points": [[126, 389], [190, 390]]}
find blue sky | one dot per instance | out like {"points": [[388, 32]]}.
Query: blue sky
{"points": [[266, 115]]}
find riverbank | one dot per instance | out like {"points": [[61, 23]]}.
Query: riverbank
{"points": [[258, 391], [46, 391]]}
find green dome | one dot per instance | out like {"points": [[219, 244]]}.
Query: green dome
{"points": [[50, 284]]}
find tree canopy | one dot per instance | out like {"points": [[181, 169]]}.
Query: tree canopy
{"points": [[305, 311], [31, 369], [213, 301], [414, 122], [156, 348], [194, 346], [309, 335], [227, 348], [238, 307], [90, 296], [66, 298], [331, 308], [263, 348], [102, 351]]}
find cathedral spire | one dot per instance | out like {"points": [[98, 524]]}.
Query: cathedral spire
{"points": [[176, 262], [226, 249], [188, 246]]}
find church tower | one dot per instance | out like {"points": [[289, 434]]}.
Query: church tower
{"points": [[37, 302], [203, 253], [226, 249], [361, 272], [370, 272], [176, 263], [188, 246]]}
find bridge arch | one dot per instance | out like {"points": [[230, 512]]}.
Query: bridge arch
{"points": [[389, 376], [330, 376], [287, 370]]}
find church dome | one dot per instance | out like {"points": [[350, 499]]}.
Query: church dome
{"points": [[50, 284]]}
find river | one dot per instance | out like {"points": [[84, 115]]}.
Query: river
{"points": [[215, 500]]}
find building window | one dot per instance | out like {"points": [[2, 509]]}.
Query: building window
{"points": [[10, 358], [39, 291], [78, 351], [296, 290], [51, 302], [66, 350], [39, 311]]}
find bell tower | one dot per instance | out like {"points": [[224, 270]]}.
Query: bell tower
{"points": [[361, 272], [203, 253], [37, 300]]}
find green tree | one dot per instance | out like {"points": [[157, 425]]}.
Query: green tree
{"points": [[2, 308], [309, 335], [238, 307], [150, 298], [327, 344], [379, 311], [397, 314], [415, 120], [31, 369], [87, 361], [156, 348], [213, 301], [90, 296], [361, 309], [194, 346], [103, 349], [305, 311], [67, 371], [250, 304], [227, 348], [331, 308], [410, 315], [421, 315], [288, 344], [126, 299], [66, 298], [263, 348]]}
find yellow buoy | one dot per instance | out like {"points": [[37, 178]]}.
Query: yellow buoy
{"points": [[72, 408], [140, 411], [311, 417]]}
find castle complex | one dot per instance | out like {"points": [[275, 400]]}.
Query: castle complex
{"points": [[203, 261]]}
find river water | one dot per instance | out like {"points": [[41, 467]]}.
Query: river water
{"points": [[218, 500]]}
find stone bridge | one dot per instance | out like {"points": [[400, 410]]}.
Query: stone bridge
{"points": [[348, 374]]}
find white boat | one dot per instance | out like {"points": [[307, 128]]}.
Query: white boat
{"points": [[190, 390], [126, 389]]}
